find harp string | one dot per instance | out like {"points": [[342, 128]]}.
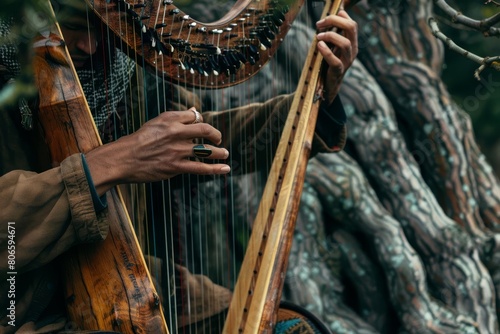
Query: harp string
{"points": [[146, 224], [211, 217], [248, 93], [206, 249], [199, 209]]}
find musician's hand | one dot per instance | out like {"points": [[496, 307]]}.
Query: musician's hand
{"points": [[344, 45], [159, 150]]}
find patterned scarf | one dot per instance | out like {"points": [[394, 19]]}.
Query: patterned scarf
{"points": [[104, 83]]}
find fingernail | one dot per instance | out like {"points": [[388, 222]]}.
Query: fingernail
{"points": [[321, 35], [320, 21], [225, 169], [226, 153], [322, 45]]}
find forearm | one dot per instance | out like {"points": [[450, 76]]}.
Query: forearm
{"points": [[254, 130]]}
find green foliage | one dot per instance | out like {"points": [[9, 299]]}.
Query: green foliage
{"points": [[28, 18], [481, 100], [18, 8]]}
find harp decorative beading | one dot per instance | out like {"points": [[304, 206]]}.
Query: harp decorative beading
{"points": [[216, 54]]}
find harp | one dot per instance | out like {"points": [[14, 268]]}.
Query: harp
{"points": [[108, 286]]}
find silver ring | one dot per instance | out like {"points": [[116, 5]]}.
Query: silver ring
{"points": [[197, 117], [201, 151]]}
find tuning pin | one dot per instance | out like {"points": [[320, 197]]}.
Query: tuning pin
{"points": [[217, 32]]}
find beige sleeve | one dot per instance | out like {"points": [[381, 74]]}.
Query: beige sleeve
{"points": [[47, 213]]}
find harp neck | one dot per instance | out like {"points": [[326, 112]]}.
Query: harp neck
{"points": [[258, 290], [69, 128], [193, 53]]}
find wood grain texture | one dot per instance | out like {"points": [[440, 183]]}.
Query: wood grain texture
{"points": [[107, 284], [256, 296], [159, 35]]}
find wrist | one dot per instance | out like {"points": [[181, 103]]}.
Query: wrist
{"points": [[100, 202], [103, 168]]}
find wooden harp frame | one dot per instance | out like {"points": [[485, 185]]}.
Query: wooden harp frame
{"points": [[192, 53], [107, 285]]}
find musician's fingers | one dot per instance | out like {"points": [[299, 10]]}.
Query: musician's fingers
{"points": [[350, 32], [336, 66], [341, 21], [336, 40], [204, 151], [190, 116], [201, 168], [179, 124], [202, 131], [347, 26], [345, 41], [342, 47]]}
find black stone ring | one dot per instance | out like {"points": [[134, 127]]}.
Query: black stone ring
{"points": [[201, 151]]}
